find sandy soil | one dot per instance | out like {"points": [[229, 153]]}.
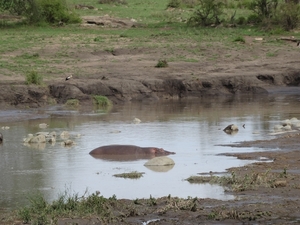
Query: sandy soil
{"points": [[274, 201]]}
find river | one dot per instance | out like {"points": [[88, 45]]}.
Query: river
{"points": [[191, 128]]}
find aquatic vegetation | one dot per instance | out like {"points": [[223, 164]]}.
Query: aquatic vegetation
{"points": [[239, 182], [131, 175], [102, 101]]}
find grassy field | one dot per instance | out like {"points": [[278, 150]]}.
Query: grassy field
{"points": [[54, 50]]}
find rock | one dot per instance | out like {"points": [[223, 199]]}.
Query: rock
{"points": [[160, 164], [160, 161], [136, 120], [286, 122], [231, 129], [280, 183], [258, 39], [53, 134], [52, 140], [278, 128], [43, 125], [43, 133], [287, 128], [38, 146], [64, 135], [38, 139], [28, 138], [68, 142]]}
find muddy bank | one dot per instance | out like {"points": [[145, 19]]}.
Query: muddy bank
{"points": [[144, 89]]}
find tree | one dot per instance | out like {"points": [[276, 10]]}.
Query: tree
{"points": [[208, 12]]}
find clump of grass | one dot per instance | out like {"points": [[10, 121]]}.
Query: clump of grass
{"points": [[29, 56], [162, 63], [33, 77], [174, 3], [239, 183], [72, 102], [131, 175], [98, 39], [240, 39], [102, 101], [41, 212]]}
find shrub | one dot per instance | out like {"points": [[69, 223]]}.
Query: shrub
{"points": [[189, 3], [102, 101], [174, 4], [254, 19], [161, 63], [241, 20], [32, 77], [207, 13], [38, 11], [239, 39], [55, 11], [72, 102], [264, 8], [288, 15]]}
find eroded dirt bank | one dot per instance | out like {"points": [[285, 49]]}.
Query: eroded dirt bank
{"points": [[119, 89]]}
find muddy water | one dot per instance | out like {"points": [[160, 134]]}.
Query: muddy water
{"points": [[192, 129]]}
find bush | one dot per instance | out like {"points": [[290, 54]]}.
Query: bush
{"points": [[32, 77], [102, 101], [56, 11], [162, 63], [72, 102], [288, 15], [207, 13], [241, 20], [189, 3], [37, 11], [254, 19], [264, 8], [174, 4], [240, 39]]}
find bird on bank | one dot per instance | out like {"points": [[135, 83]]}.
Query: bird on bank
{"points": [[68, 77]]}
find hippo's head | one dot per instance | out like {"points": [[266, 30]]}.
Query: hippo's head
{"points": [[161, 151]]}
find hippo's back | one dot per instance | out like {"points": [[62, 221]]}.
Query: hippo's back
{"points": [[116, 150]]}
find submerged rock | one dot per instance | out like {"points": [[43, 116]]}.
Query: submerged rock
{"points": [[160, 164], [38, 139], [160, 161], [64, 135], [68, 143], [231, 129]]}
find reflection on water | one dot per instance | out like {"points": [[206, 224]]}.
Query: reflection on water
{"points": [[160, 168], [192, 129]]}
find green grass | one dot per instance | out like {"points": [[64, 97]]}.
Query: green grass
{"points": [[54, 50], [72, 103], [237, 182], [101, 101], [33, 77], [131, 175], [39, 211]]}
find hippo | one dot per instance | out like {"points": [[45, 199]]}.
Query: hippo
{"points": [[127, 152]]}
